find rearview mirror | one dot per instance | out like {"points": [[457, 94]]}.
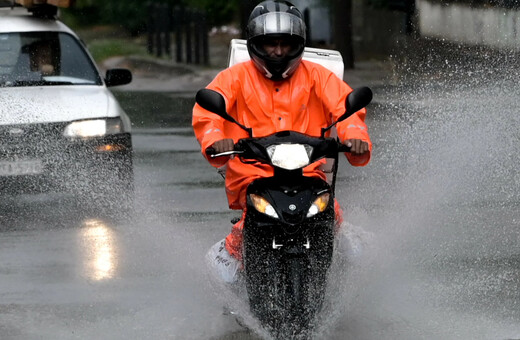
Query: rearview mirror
{"points": [[356, 100], [118, 76], [214, 102]]}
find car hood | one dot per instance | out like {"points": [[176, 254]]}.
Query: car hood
{"points": [[52, 104]]}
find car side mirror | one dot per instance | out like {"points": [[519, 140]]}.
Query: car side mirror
{"points": [[118, 76]]}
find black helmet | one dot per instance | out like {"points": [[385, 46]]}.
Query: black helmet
{"points": [[276, 19]]}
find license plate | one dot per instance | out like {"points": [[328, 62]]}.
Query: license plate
{"points": [[21, 167]]}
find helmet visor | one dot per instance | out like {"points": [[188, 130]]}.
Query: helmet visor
{"points": [[276, 23]]}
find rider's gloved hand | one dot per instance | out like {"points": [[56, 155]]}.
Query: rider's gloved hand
{"points": [[357, 146], [223, 145]]}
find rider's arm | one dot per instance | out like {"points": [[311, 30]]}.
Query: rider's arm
{"points": [[354, 129], [334, 93], [210, 129]]}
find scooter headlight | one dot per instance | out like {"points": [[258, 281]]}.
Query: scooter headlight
{"points": [[290, 156], [319, 205], [263, 206]]}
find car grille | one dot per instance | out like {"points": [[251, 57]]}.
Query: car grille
{"points": [[35, 140]]}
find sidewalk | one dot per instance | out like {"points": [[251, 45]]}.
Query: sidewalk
{"points": [[159, 74]]}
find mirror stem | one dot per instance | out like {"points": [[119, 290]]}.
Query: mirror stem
{"points": [[325, 129], [248, 130]]}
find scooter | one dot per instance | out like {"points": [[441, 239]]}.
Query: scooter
{"points": [[289, 224]]}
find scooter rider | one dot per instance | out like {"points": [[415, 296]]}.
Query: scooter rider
{"points": [[276, 90]]}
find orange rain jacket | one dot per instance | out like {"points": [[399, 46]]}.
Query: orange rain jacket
{"points": [[312, 98]]}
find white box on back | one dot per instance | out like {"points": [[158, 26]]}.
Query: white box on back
{"points": [[328, 58]]}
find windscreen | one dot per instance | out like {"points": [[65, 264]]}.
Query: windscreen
{"points": [[44, 59]]}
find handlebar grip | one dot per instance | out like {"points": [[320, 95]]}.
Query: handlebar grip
{"points": [[343, 148], [210, 151]]}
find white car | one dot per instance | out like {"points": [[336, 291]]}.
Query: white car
{"points": [[61, 129]]}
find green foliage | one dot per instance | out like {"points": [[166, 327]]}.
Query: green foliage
{"points": [[80, 16], [102, 49], [133, 14], [218, 12], [130, 14]]}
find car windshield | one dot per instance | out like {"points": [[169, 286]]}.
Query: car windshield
{"points": [[44, 59]]}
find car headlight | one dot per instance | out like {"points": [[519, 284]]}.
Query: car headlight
{"points": [[93, 128], [319, 205], [290, 156], [263, 206]]}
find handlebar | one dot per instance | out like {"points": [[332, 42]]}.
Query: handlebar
{"points": [[343, 148], [212, 153]]}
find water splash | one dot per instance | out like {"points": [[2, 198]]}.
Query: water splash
{"points": [[441, 200]]}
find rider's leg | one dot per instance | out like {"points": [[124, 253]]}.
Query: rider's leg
{"points": [[235, 238], [338, 216]]}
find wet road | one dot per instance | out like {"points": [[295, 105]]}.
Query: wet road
{"points": [[436, 210], [66, 273]]}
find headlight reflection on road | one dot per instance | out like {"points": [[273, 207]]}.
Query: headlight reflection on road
{"points": [[98, 240]]}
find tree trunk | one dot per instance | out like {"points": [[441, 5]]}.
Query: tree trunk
{"points": [[343, 31]]}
